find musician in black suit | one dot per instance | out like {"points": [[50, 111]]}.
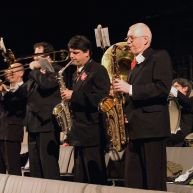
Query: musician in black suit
{"points": [[147, 111], [180, 91], [12, 113], [91, 84], [43, 130]]}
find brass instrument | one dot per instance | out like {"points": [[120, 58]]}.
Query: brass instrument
{"points": [[7, 53], [117, 60], [58, 57], [61, 111]]}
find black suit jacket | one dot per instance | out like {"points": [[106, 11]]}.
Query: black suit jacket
{"points": [[88, 129], [147, 108], [13, 105], [43, 95]]}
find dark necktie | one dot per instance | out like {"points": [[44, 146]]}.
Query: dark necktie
{"points": [[133, 63]]}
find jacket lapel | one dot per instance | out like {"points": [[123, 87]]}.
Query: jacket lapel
{"points": [[136, 71], [82, 79]]}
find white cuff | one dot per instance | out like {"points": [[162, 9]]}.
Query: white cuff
{"points": [[174, 91], [130, 90]]}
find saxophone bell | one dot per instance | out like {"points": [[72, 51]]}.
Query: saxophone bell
{"points": [[106, 104]]}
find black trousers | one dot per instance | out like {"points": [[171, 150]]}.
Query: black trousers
{"points": [[89, 165], [44, 154], [10, 157], [145, 164]]}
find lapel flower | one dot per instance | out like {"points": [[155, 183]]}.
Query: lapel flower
{"points": [[83, 76], [140, 58]]}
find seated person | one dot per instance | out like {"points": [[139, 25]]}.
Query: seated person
{"points": [[181, 89]]}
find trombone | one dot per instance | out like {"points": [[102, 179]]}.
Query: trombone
{"points": [[58, 56], [63, 54], [9, 57]]}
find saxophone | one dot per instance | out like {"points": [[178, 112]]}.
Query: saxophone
{"points": [[61, 111], [113, 105]]}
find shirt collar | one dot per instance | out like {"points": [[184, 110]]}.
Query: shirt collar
{"points": [[80, 69], [14, 88]]}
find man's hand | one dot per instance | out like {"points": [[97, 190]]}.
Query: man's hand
{"points": [[121, 86], [34, 65], [43, 71], [66, 94], [3, 87]]}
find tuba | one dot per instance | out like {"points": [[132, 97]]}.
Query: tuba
{"points": [[61, 111], [116, 60]]}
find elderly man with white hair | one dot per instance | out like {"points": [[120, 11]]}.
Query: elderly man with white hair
{"points": [[147, 113]]}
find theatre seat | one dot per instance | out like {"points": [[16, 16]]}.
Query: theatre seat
{"points": [[3, 181], [66, 160], [177, 188], [91, 188], [22, 184], [183, 156]]}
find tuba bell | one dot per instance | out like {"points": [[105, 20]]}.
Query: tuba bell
{"points": [[122, 58], [116, 60]]}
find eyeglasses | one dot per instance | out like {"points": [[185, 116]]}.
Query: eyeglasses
{"points": [[132, 38]]}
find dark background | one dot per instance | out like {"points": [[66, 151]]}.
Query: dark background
{"points": [[24, 23]]}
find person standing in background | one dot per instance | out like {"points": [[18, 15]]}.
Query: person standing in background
{"points": [[12, 113], [43, 130]]}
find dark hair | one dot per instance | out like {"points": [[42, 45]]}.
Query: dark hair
{"points": [[80, 42], [184, 83], [47, 46]]}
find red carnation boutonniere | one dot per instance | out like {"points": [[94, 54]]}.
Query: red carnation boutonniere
{"points": [[83, 76]]}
